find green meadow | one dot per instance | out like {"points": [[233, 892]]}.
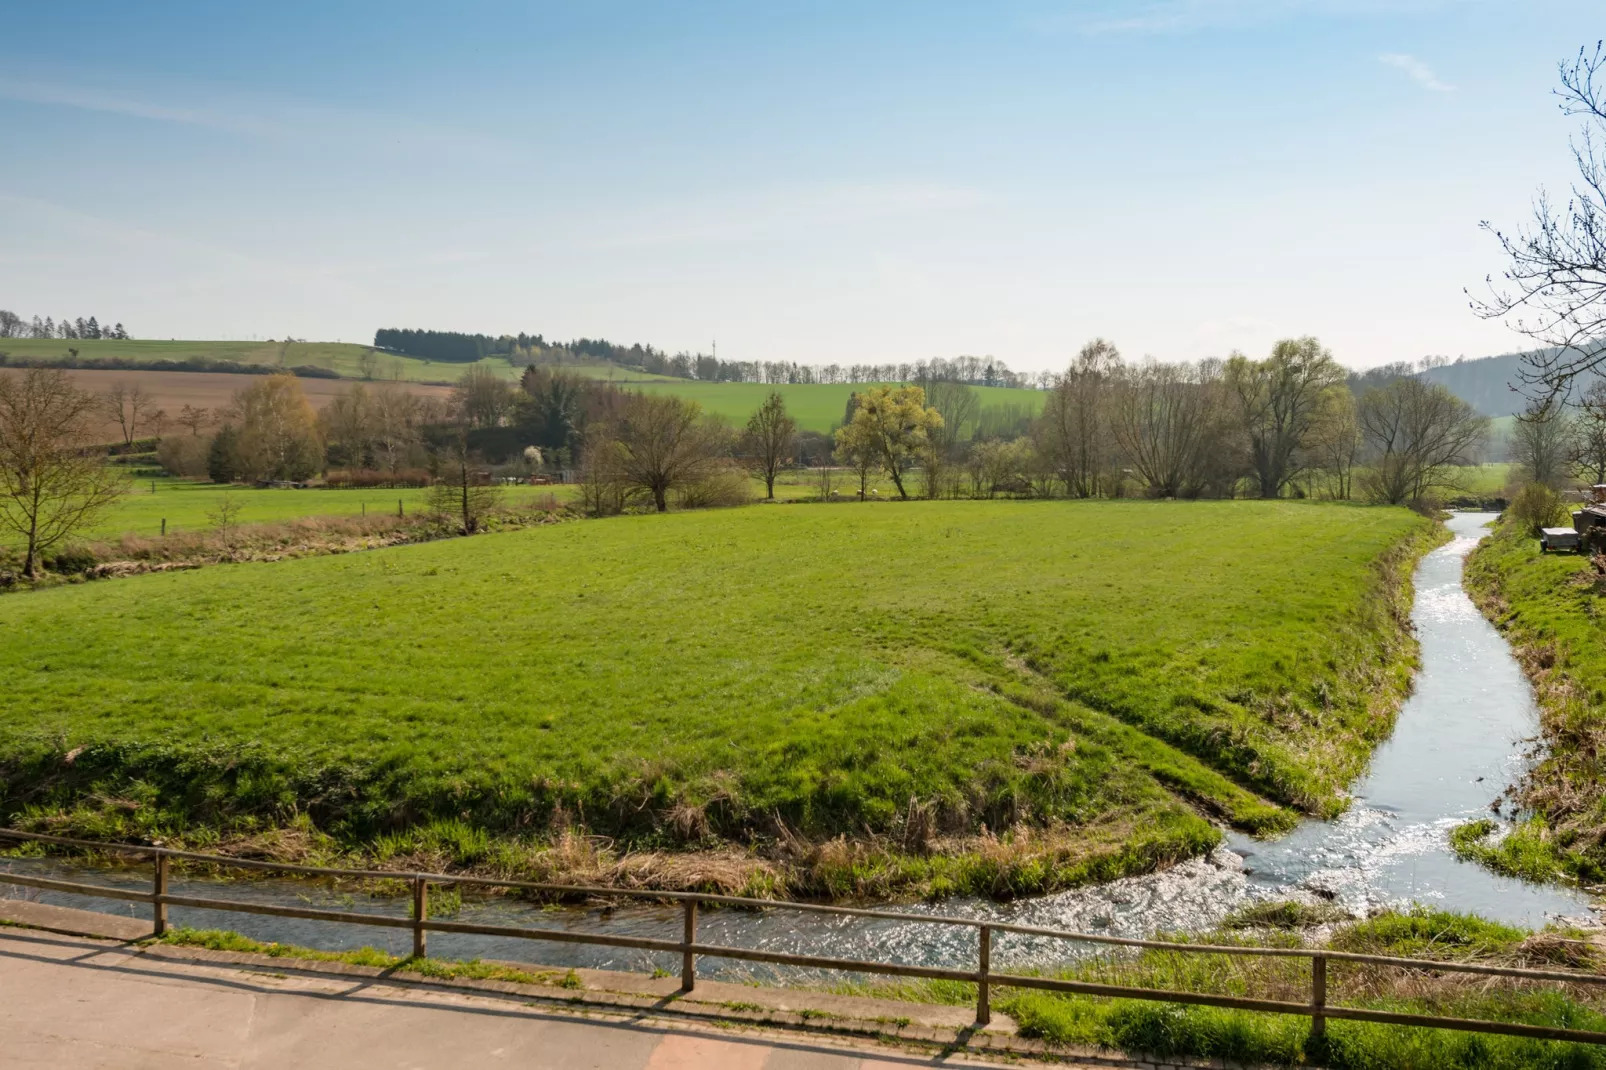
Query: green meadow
{"points": [[820, 407], [938, 680], [343, 358], [189, 506]]}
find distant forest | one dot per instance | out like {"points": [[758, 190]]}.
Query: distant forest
{"points": [[456, 347], [14, 326]]}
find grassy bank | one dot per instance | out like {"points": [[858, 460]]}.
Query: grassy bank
{"points": [[1549, 608], [1164, 1029], [1004, 697], [1169, 1030]]}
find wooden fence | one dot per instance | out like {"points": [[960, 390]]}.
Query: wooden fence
{"points": [[986, 979]]}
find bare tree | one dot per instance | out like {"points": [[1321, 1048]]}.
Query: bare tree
{"points": [[769, 440], [462, 494], [1336, 442], [1541, 442], [195, 419], [664, 444], [958, 404], [483, 397], [1588, 456], [1163, 417], [1554, 287], [130, 408], [51, 485], [225, 517], [1073, 432], [348, 427], [397, 416], [1415, 434], [1279, 400]]}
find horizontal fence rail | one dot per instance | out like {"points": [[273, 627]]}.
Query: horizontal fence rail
{"points": [[987, 980]]}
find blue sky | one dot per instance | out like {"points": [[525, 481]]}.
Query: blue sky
{"points": [[814, 181]]}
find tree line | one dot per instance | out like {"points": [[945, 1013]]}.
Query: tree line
{"points": [[533, 349], [1294, 423], [1291, 424], [14, 326]]}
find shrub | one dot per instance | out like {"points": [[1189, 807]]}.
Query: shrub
{"points": [[184, 455], [364, 478], [724, 486], [71, 560], [1536, 506]]}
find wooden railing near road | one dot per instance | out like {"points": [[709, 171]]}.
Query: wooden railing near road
{"points": [[986, 979]]}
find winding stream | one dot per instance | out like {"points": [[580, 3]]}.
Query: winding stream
{"points": [[1456, 746]]}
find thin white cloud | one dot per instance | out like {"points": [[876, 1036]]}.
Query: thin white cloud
{"points": [[1417, 71], [254, 117], [1183, 16], [121, 104]]}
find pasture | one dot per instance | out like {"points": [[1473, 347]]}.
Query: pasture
{"points": [[188, 506], [818, 407], [921, 676], [343, 358]]}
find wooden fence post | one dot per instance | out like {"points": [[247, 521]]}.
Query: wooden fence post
{"points": [[164, 526], [399, 513], [420, 915], [1318, 995], [159, 886], [688, 958], [984, 1001]]}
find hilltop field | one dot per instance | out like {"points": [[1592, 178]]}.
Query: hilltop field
{"points": [[815, 407], [832, 700]]}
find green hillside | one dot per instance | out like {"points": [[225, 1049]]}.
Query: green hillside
{"points": [[816, 408]]}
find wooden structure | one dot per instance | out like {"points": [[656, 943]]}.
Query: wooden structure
{"points": [[984, 976]]}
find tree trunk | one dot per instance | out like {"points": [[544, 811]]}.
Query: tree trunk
{"points": [[31, 560], [769, 484], [897, 481], [659, 499]]}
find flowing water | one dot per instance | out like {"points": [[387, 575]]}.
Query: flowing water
{"points": [[1458, 743]]}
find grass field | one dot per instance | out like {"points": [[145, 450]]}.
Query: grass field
{"points": [[189, 506], [1549, 606], [816, 408], [344, 358], [1097, 672], [1485, 480]]}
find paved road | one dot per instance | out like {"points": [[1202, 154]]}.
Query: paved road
{"points": [[69, 1003]]}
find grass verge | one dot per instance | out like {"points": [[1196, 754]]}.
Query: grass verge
{"points": [[1179, 1030], [1549, 606]]}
